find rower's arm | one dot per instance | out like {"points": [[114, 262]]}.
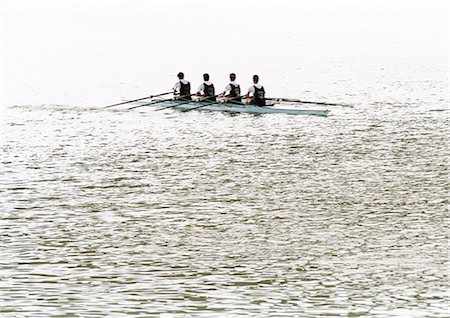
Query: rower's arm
{"points": [[176, 88], [201, 89]]}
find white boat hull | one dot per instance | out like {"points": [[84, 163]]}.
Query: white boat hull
{"points": [[238, 108]]}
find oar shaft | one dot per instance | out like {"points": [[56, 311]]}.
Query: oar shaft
{"points": [[229, 100], [161, 101], [207, 104], [186, 102], [152, 103], [138, 99], [183, 103], [176, 104], [293, 100]]}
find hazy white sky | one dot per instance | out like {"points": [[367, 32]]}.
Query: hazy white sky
{"points": [[62, 48]]}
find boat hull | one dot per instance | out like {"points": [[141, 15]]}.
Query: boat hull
{"points": [[239, 108]]}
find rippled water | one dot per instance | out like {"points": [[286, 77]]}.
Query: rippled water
{"points": [[138, 213], [110, 212]]}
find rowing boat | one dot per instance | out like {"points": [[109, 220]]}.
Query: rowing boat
{"points": [[237, 108]]}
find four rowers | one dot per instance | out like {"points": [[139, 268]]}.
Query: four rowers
{"points": [[231, 93]]}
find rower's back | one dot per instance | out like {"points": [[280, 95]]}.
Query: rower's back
{"points": [[234, 89], [183, 87], [259, 96], [185, 90], [208, 89]]}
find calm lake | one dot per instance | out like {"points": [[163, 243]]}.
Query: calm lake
{"points": [[143, 213]]}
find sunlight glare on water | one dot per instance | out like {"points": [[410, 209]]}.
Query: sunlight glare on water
{"points": [[144, 213]]}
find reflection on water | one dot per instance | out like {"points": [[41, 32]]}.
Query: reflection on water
{"points": [[110, 212]]}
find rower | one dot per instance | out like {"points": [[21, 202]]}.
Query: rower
{"points": [[232, 90], [206, 89], [256, 93], [182, 88]]}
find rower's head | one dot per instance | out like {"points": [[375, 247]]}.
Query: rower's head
{"points": [[232, 77], [255, 79], [206, 77], [180, 75]]}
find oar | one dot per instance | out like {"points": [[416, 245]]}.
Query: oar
{"points": [[135, 100], [229, 100], [161, 101], [293, 100], [186, 102], [207, 104], [152, 103], [175, 105], [233, 100]]}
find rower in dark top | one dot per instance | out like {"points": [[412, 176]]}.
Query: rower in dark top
{"points": [[206, 89], [182, 88], [232, 90], [256, 93]]}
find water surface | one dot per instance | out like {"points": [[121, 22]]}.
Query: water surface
{"points": [[111, 212]]}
